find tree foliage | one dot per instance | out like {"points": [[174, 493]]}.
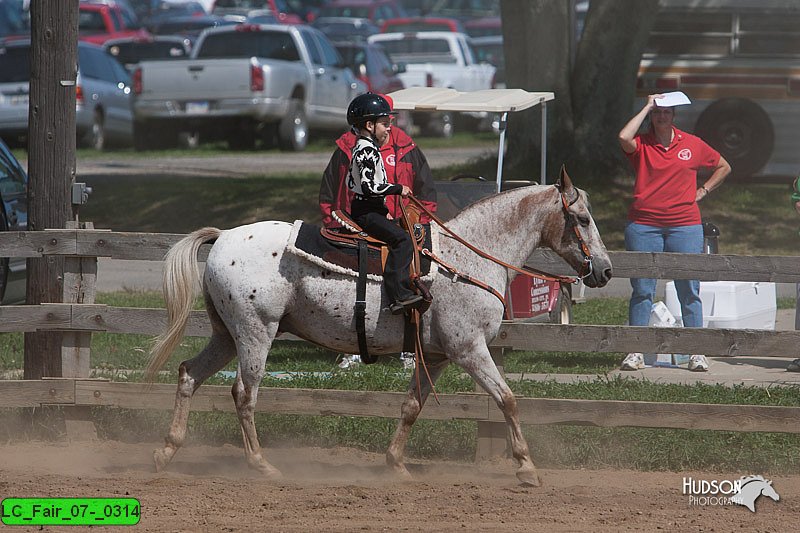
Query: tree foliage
{"points": [[594, 80]]}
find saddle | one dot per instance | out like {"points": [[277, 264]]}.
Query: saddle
{"points": [[353, 235]]}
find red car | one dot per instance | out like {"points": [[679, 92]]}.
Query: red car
{"points": [[99, 22]]}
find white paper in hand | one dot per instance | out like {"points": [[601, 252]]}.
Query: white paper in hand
{"points": [[672, 99]]}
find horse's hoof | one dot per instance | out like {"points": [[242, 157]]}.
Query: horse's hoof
{"points": [[265, 469], [161, 458], [401, 473], [529, 478]]}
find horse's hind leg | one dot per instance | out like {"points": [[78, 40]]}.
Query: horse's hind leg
{"points": [[478, 364], [253, 353], [412, 406], [191, 374]]}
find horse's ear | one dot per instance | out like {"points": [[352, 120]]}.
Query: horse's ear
{"points": [[564, 182]]}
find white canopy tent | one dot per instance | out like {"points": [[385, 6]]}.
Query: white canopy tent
{"points": [[500, 101]]}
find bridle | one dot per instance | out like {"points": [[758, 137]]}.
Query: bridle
{"points": [[587, 265]]}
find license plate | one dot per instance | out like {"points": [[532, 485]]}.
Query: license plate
{"points": [[18, 99], [196, 108]]}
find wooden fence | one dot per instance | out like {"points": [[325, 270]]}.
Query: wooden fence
{"points": [[83, 247]]}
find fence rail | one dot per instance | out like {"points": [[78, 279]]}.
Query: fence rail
{"points": [[89, 317]]}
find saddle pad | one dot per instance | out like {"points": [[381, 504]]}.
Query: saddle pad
{"points": [[307, 242]]}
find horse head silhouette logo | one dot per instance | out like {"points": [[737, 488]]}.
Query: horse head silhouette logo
{"points": [[751, 488]]}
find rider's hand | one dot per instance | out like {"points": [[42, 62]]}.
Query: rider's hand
{"points": [[406, 191]]}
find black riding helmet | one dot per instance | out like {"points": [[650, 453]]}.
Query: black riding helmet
{"points": [[367, 106]]}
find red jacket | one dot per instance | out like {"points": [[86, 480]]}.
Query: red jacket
{"points": [[405, 164]]}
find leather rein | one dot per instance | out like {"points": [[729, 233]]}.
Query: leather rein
{"points": [[585, 266]]}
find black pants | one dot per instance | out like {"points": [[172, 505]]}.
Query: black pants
{"points": [[395, 274]]}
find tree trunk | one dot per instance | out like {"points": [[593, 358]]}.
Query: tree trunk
{"points": [[604, 79], [536, 44], [51, 161], [594, 98]]}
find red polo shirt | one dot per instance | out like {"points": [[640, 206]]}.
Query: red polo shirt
{"points": [[666, 179]]}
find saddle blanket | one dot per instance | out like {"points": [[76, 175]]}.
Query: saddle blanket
{"points": [[307, 242]]}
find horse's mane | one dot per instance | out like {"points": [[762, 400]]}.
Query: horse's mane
{"points": [[477, 204]]}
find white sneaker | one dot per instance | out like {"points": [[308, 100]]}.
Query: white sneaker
{"points": [[349, 360], [698, 363], [633, 361], [408, 360]]}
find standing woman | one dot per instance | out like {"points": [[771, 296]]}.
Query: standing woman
{"points": [[664, 215]]}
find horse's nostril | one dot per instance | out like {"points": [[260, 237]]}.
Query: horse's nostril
{"points": [[607, 273]]}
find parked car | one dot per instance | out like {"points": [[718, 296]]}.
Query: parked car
{"points": [[131, 50], [14, 19], [103, 95], [421, 24], [188, 26], [13, 217], [280, 8], [484, 27], [375, 10], [371, 64], [490, 50], [244, 83], [439, 59], [345, 28], [101, 21]]}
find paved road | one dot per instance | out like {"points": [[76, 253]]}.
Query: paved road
{"points": [[247, 164]]}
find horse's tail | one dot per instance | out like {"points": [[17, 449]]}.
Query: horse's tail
{"points": [[181, 286]]}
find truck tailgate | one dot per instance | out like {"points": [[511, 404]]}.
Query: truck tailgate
{"points": [[195, 79]]}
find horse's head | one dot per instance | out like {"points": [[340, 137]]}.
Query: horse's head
{"points": [[573, 235]]}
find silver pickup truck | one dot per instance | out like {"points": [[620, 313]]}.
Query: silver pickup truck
{"points": [[243, 83]]}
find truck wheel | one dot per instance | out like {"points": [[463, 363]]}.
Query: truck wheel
{"points": [[293, 129], [562, 312], [741, 131]]}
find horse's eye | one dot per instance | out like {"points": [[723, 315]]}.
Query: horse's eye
{"points": [[583, 220]]}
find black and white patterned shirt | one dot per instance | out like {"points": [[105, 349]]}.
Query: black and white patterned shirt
{"points": [[367, 176]]}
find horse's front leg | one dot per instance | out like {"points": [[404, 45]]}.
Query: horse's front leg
{"points": [[412, 406], [478, 363], [218, 352]]}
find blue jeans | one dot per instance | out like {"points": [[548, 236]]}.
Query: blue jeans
{"points": [[678, 239]]}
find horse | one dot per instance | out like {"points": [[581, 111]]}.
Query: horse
{"points": [[751, 488], [255, 289]]}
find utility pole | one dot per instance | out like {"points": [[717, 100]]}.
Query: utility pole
{"points": [[51, 161]]}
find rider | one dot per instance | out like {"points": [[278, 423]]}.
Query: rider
{"points": [[370, 116]]}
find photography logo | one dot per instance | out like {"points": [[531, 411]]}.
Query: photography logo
{"points": [[743, 491]]}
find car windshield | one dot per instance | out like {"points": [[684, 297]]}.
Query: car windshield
{"points": [[133, 52], [266, 44], [14, 64], [419, 50]]}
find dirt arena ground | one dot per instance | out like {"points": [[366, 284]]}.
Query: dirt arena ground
{"points": [[210, 488]]}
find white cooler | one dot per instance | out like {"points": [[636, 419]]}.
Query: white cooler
{"points": [[731, 304]]}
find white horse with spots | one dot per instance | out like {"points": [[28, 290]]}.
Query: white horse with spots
{"points": [[254, 289]]}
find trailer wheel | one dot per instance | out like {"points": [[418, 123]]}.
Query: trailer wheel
{"points": [[562, 312], [741, 131], [293, 128]]}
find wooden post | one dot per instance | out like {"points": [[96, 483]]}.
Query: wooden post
{"points": [[80, 283], [51, 161], [492, 436]]}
